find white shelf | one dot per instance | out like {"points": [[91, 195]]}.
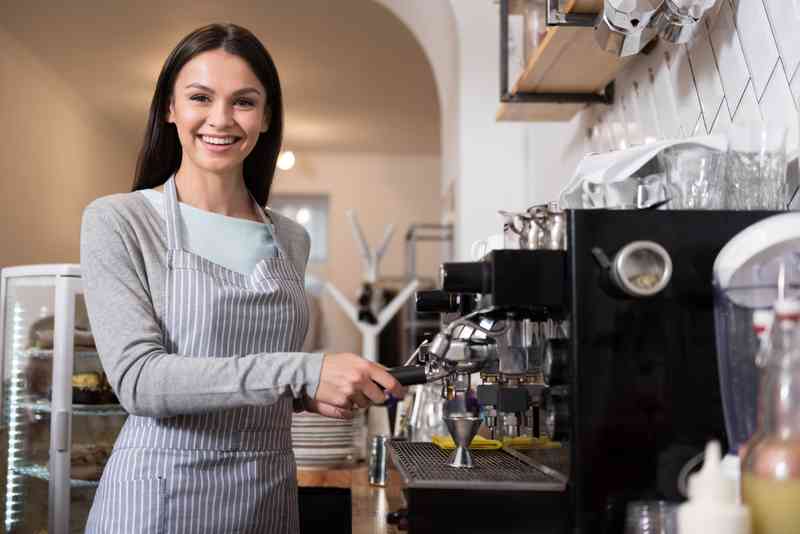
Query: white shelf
{"points": [[41, 472], [42, 406]]}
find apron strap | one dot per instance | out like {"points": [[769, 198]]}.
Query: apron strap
{"points": [[173, 215]]}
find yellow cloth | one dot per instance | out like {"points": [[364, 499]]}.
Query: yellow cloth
{"points": [[478, 442], [527, 442], [481, 443]]}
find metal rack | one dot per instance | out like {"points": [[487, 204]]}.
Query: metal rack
{"points": [[419, 233]]}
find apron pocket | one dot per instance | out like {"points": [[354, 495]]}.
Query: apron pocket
{"points": [[130, 507]]}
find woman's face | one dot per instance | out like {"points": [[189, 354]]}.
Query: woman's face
{"points": [[219, 108]]}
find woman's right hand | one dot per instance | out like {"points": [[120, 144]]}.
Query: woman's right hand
{"points": [[349, 381]]}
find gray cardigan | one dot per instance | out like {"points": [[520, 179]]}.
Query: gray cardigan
{"points": [[123, 263]]}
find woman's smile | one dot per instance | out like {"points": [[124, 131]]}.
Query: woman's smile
{"points": [[217, 144]]}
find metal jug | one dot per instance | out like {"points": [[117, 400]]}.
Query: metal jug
{"points": [[538, 227]]}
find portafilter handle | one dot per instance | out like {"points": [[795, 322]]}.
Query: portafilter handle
{"points": [[409, 376]]}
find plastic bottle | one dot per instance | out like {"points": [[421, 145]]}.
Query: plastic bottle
{"points": [[771, 460], [713, 507]]}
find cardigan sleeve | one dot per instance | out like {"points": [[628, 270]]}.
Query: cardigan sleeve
{"points": [[147, 379]]}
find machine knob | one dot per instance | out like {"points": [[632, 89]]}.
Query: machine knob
{"points": [[436, 301], [556, 369], [467, 277], [556, 413]]}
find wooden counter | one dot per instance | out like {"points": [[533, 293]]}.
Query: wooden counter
{"points": [[370, 503]]}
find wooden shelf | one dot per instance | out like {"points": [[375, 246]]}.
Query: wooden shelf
{"points": [[567, 61]]}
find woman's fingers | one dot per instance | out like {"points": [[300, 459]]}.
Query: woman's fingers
{"points": [[389, 383]]}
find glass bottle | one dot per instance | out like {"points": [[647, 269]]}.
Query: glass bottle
{"points": [[771, 460]]}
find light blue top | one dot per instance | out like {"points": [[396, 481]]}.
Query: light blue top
{"points": [[236, 244]]}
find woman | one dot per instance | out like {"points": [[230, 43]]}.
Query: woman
{"points": [[195, 296]]}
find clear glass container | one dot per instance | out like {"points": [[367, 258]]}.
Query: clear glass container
{"points": [[771, 458], [60, 416]]}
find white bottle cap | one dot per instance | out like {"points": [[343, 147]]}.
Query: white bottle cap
{"points": [[762, 321], [713, 501], [709, 484], [787, 308]]}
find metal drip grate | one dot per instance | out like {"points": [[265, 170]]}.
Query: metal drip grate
{"points": [[424, 465]]}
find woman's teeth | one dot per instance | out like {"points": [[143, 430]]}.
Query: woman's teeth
{"points": [[218, 140]]}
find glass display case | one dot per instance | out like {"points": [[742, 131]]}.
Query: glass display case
{"points": [[60, 416]]}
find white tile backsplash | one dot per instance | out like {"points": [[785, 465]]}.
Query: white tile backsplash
{"points": [[748, 110], [743, 66], [777, 104], [785, 19], [723, 122], [758, 43], [706, 76], [795, 86], [685, 90], [733, 70], [664, 95]]}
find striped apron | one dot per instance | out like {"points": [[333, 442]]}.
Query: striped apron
{"points": [[230, 471]]}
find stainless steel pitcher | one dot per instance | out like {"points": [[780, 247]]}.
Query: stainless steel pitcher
{"points": [[539, 227]]}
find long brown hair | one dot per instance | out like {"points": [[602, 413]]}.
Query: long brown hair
{"points": [[160, 155]]}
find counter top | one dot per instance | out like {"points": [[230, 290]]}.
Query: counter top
{"points": [[370, 503]]}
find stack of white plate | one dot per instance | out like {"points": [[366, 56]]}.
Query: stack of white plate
{"points": [[322, 442]]}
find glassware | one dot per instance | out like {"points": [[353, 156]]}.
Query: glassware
{"points": [[651, 517], [694, 178], [756, 166], [771, 460], [535, 26]]}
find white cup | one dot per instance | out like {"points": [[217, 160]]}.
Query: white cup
{"points": [[482, 247]]}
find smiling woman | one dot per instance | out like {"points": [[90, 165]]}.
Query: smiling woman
{"points": [[196, 301]]}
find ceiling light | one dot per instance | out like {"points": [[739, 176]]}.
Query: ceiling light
{"points": [[286, 160]]}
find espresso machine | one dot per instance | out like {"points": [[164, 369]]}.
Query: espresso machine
{"points": [[627, 383]]}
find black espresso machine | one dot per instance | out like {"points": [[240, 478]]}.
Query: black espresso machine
{"points": [[628, 384]]}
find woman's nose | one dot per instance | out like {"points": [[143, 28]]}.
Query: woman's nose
{"points": [[220, 115]]}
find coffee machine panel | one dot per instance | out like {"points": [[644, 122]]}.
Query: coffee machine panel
{"points": [[636, 393], [628, 383]]}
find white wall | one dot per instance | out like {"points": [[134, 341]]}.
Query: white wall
{"points": [[57, 155], [486, 164], [493, 154], [382, 189]]}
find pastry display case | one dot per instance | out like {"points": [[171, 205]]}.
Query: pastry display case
{"points": [[60, 417]]}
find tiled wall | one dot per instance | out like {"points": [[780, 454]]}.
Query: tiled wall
{"points": [[742, 65]]}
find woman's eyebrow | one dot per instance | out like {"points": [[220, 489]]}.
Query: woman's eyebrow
{"points": [[235, 93]]}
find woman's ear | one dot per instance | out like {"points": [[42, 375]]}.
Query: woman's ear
{"points": [[171, 111]]}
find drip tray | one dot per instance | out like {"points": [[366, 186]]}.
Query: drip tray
{"points": [[424, 465]]}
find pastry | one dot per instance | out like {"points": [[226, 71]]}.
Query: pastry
{"points": [[91, 388]]}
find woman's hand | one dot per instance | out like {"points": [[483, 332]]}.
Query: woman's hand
{"points": [[348, 381]]}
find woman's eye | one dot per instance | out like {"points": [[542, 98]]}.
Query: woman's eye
{"points": [[245, 102], [200, 98]]}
